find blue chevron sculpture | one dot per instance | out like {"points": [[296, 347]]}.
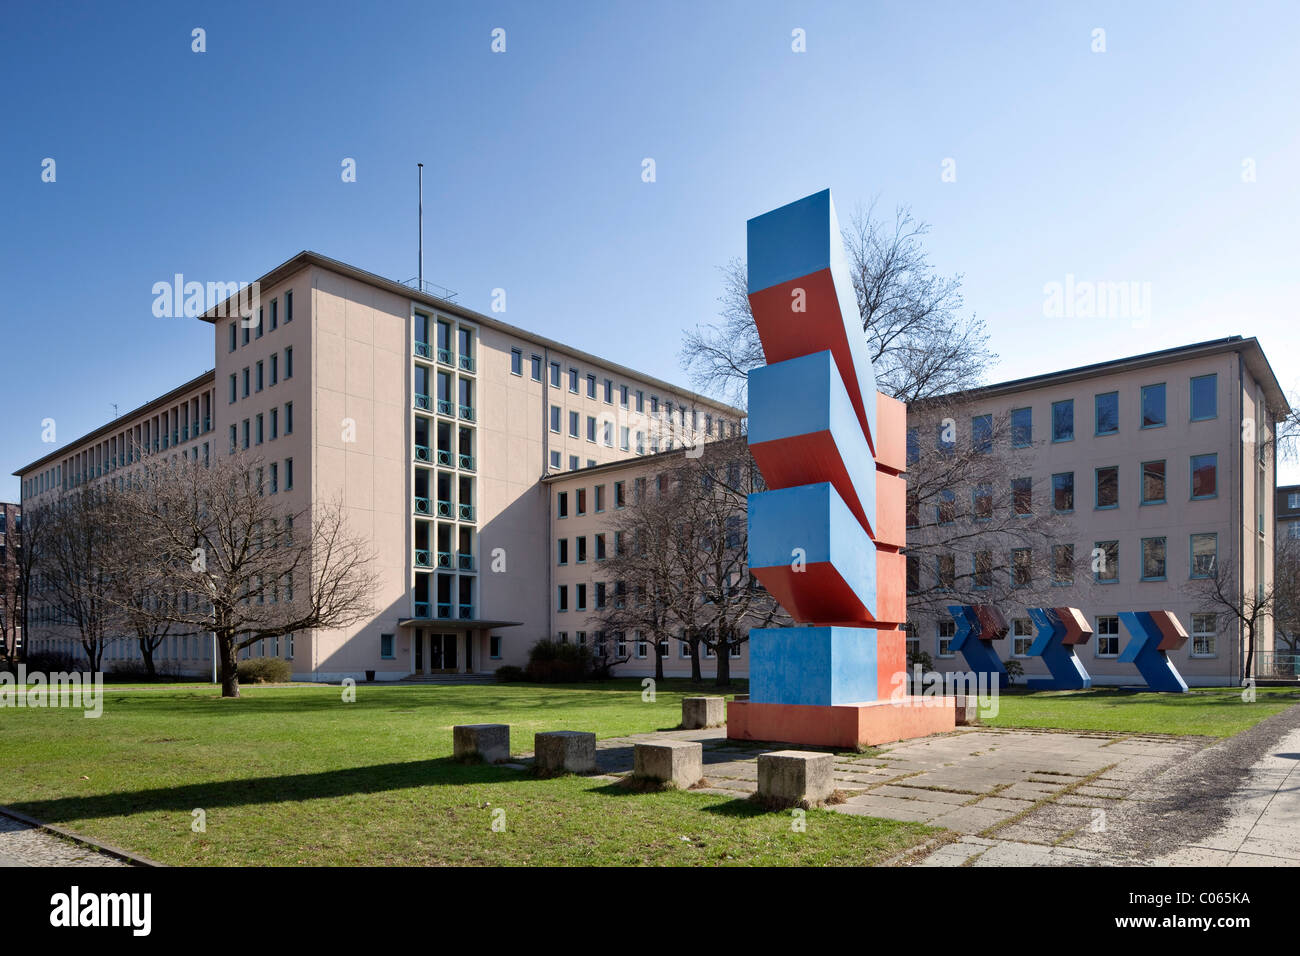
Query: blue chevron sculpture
{"points": [[1057, 633], [977, 628], [1155, 633]]}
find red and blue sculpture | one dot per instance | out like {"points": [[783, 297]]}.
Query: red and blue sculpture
{"points": [[1059, 631], [977, 627], [826, 538], [1155, 634]]}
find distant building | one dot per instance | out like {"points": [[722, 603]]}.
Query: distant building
{"points": [[1287, 508], [11, 609]]}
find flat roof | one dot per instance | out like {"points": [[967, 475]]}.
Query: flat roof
{"points": [[308, 258], [209, 376], [453, 623], [1250, 348]]}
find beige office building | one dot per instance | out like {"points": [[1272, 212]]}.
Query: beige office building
{"points": [[431, 423]]}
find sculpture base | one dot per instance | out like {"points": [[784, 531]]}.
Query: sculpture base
{"points": [[847, 726]]}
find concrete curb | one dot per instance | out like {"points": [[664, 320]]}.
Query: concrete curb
{"points": [[106, 848]]}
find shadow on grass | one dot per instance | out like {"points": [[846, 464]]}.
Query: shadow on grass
{"points": [[289, 788]]}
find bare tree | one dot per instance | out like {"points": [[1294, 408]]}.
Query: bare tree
{"points": [[1219, 589], [223, 555], [1286, 591], [977, 532], [920, 346], [76, 566], [25, 540], [683, 565]]}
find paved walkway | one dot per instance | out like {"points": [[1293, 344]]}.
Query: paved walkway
{"points": [[24, 845], [1264, 828], [1015, 797]]}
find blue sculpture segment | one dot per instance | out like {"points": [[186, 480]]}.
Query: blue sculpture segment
{"points": [[1155, 633], [1058, 631], [977, 627]]}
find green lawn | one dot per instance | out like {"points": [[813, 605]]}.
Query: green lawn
{"points": [[1210, 712], [295, 776]]}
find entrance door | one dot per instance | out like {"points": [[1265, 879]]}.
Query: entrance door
{"points": [[419, 652], [442, 653]]}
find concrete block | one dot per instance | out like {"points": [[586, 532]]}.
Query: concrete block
{"points": [[796, 777], [488, 742], [700, 712], [678, 762], [967, 711], [565, 750]]}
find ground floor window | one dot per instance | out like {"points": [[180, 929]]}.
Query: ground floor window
{"points": [[1022, 635], [1107, 635], [386, 646], [642, 648], [912, 640], [494, 647], [1205, 628], [946, 631]]}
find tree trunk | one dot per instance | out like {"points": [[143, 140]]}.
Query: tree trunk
{"points": [[1250, 651], [696, 676], [229, 668], [724, 664], [659, 663], [146, 652]]}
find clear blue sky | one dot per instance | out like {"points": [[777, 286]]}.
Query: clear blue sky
{"points": [[1116, 166]]}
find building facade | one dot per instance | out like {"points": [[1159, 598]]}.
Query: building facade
{"points": [[1287, 509], [431, 424], [11, 606], [1162, 464]]}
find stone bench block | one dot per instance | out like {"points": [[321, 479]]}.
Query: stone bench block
{"points": [[698, 712], [573, 751], [796, 777], [488, 742], [967, 711], [678, 762]]}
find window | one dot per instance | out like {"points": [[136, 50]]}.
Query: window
{"points": [[562, 598], [1022, 427], [981, 432], [620, 494], [1153, 482], [580, 598], [945, 631], [555, 461], [259, 430], [288, 317], [1205, 554], [1106, 411], [1063, 491], [1293, 501], [288, 474], [1022, 496], [275, 424], [555, 375], [260, 377], [581, 550], [573, 463], [622, 396], [494, 647], [624, 438], [945, 512], [536, 367], [580, 501], [1107, 632], [607, 434], [1205, 628], [562, 551], [1063, 420], [599, 498], [516, 368], [1205, 397], [288, 363], [640, 400], [275, 315], [609, 392], [1062, 564], [275, 367], [946, 571], [1107, 487], [1022, 636], [244, 390], [386, 647], [1153, 406], [982, 502], [654, 404], [600, 599], [600, 546], [562, 504], [1205, 470], [591, 428], [1105, 562], [288, 418], [1022, 567], [1153, 559], [913, 445], [245, 337], [233, 387], [574, 419], [982, 570], [945, 437], [245, 433], [574, 377], [913, 510], [555, 418], [913, 574]]}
